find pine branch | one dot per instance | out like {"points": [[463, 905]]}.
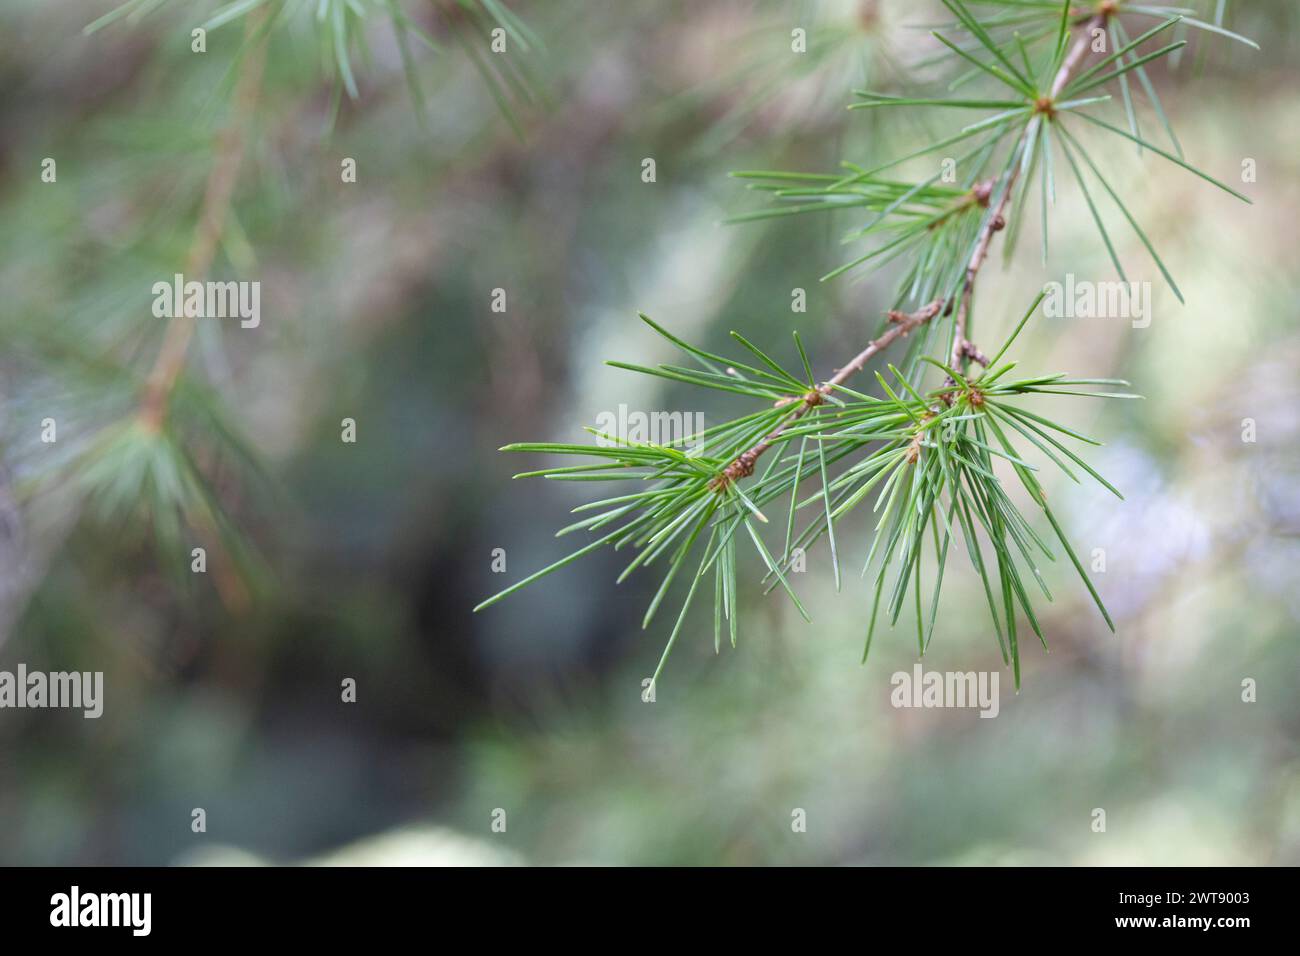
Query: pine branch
{"points": [[903, 323], [216, 203], [962, 348], [928, 456]]}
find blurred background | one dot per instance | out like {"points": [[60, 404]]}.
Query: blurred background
{"points": [[331, 560]]}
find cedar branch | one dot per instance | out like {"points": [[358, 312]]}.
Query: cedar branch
{"points": [[963, 350], [217, 196], [901, 324]]}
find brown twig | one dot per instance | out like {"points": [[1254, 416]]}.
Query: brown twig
{"points": [[212, 218], [901, 324], [217, 195], [963, 350]]}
